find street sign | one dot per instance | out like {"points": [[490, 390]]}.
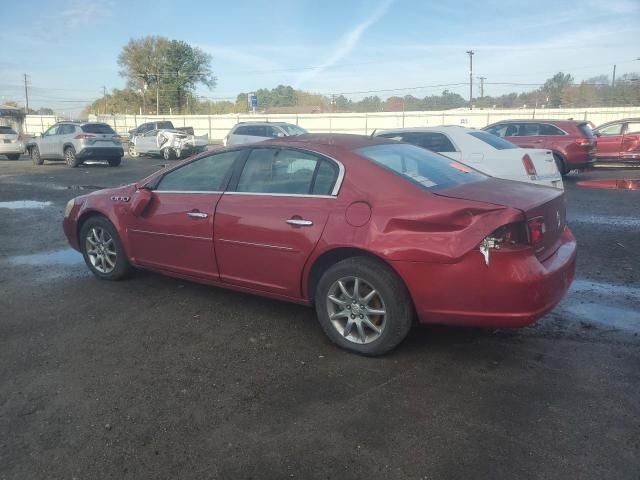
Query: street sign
{"points": [[252, 100]]}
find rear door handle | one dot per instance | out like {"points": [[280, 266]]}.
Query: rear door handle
{"points": [[197, 215], [299, 222]]}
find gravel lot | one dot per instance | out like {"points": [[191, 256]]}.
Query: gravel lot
{"points": [[159, 378]]}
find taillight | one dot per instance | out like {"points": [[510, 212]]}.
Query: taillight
{"points": [[509, 235], [584, 141], [82, 136], [536, 230], [529, 166]]}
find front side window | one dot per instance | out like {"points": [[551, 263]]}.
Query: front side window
{"points": [[283, 171], [490, 139], [150, 133], [52, 131], [511, 130], [438, 142], [611, 130], [293, 129], [420, 166], [66, 129], [203, 175], [273, 132]]}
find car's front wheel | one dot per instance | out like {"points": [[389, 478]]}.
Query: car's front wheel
{"points": [[102, 249], [71, 158], [35, 156], [363, 306]]}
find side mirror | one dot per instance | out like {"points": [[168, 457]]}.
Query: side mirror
{"points": [[140, 201]]}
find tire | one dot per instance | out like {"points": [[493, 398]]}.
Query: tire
{"points": [[168, 154], [115, 161], [387, 294], [35, 156], [102, 249], [70, 157], [560, 163], [14, 156]]}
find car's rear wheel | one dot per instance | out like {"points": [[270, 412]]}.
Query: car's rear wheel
{"points": [[14, 156], [102, 249], [560, 163], [168, 154], [115, 161], [363, 306], [132, 150], [71, 158], [35, 156]]}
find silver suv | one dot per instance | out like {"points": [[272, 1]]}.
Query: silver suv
{"points": [[75, 142], [251, 132]]}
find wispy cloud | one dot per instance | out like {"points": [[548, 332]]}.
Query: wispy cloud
{"points": [[82, 13], [347, 43]]}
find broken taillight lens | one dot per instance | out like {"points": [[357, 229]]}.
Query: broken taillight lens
{"points": [[536, 230], [529, 167]]}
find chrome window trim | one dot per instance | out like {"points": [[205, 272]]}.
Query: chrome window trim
{"points": [[266, 194], [564, 132], [187, 191]]}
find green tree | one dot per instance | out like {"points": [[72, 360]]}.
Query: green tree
{"points": [[553, 88]]}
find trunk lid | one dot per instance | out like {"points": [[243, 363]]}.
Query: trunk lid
{"points": [[532, 200]]}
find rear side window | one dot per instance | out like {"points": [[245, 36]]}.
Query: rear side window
{"points": [[585, 129], [252, 130], [546, 129], [97, 128], [438, 142], [283, 171], [490, 139], [420, 166], [203, 175], [7, 131], [164, 125], [529, 130]]}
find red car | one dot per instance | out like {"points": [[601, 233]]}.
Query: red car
{"points": [[619, 141], [572, 142], [374, 233]]}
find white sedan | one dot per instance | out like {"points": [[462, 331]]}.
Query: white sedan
{"points": [[485, 152]]}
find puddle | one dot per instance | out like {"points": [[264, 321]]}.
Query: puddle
{"points": [[615, 317], [581, 286], [58, 257], [617, 221], [24, 204], [611, 184]]}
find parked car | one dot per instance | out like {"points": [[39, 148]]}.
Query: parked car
{"points": [[619, 141], [483, 151], [167, 143], [157, 125], [305, 219], [251, 132], [75, 142], [572, 142], [11, 143]]}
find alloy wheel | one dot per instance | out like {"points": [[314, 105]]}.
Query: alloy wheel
{"points": [[356, 310], [101, 250]]}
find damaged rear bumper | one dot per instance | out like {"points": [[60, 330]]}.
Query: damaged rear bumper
{"points": [[514, 290]]}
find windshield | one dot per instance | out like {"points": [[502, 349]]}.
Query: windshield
{"points": [[421, 166], [493, 140], [7, 130], [293, 129], [97, 128]]}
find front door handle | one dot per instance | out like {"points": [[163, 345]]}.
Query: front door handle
{"points": [[197, 215], [299, 222]]}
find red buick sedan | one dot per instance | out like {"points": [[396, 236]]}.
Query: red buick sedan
{"points": [[371, 232]]}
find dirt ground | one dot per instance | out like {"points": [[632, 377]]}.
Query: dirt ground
{"points": [[159, 378]]}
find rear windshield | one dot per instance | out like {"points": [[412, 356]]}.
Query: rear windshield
{"points": [[97, 128], [426, 168], [7, 130], [292, 129], [493, 140], [585, 128], [164, 125]]}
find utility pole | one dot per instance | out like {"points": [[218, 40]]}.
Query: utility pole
{"points": [[104, 100], [482, 79], [470, 53], [26, 94], [613, 81]]}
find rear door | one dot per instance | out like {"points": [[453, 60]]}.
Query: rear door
{"points": [[609, 141], [630, 146], [268, 223], [175, 232]]}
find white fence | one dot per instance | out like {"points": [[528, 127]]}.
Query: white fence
{"points": [[217, 126]]}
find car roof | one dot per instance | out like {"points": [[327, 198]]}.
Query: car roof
{"points": [[265, 122], [543, 120], [439, 128], [623, 120], [342, 141]]}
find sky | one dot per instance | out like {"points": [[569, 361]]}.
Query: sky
{"points": [[69, 48]]}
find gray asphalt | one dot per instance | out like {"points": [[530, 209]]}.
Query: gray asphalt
{"points": [[155, 377]]}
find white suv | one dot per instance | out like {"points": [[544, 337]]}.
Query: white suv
{"points": [[251, 132]]}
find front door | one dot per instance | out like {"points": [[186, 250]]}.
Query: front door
{"points": [[271, 219], [609, 141], [48, 142], [175, 232], [630, 146]]}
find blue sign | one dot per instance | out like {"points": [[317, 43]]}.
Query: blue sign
{"points": [[252, 100]]}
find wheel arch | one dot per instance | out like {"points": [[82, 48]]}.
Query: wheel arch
{"points": [[67, 145], [332, 256], [563, 158]]}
